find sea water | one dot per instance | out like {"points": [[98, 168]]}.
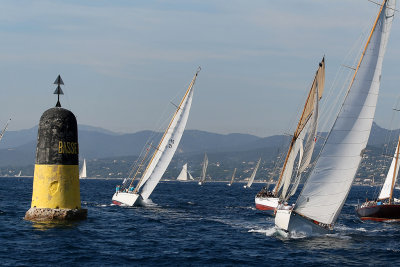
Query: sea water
{"points": [[186, 224]]}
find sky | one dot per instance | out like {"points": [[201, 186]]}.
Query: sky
{"points": [[123, 62]]}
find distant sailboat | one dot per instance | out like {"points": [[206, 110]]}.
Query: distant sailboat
{"points": [[82, 174], [203, 170], [325, 191], [253, 175], [129, 196], [287, 183], [19, 174], [184, 175], [385, 208], [233, 177]]}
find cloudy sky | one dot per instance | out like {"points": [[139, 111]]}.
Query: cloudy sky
{"points": [[124, 61]]}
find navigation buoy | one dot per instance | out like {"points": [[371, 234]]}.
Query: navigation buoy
{"points": [[56, 190]]}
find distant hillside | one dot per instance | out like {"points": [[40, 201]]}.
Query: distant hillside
{"points": [[18, 147]]}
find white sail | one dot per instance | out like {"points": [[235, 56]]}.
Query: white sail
{"points": [[309, 147], [303, 126], [391, 175], [311, 137], [253, 175], [183, 175], [82, 174], [326, 190], [287, 174], [190, 176], [233, 177], [204, 169], [168, 145]]}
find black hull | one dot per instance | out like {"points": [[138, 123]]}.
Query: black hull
{"points": [[385, 212]]}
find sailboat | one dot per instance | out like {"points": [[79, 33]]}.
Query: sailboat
{"points": [[253, 175], [302, 144], [233, 177], [184, 175], [325, 191], [82, 173], [127, 195], [203, 170], [386, 207]]}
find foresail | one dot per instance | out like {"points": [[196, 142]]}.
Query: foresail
{"points": [[253, 175], [391, 175], [287, 174], [168, 145], [311, 137], [183, 174], [326, 189], [314, 95]]}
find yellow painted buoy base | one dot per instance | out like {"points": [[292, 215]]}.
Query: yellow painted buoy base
{"points": [[56, 187]]}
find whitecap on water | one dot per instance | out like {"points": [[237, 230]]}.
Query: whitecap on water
{"points": [[268, 232]]}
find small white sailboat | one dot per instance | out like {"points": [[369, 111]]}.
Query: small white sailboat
{"points": [[233, 177], [129, 196], [301, 146], [204, 170], [82, 173], [184, 175], [325, 191], [253, 175], [19, 174]]}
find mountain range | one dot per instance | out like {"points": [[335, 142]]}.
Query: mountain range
{"points": [[17, 148]]}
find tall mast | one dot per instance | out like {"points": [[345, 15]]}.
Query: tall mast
{"points": [[394, 173]]}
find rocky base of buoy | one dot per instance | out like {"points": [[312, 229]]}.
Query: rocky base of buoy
{"points": [[47, 214]]}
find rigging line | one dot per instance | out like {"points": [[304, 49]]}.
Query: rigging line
{"points": [[381, 5]]}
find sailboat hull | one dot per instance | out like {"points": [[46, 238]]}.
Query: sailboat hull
{"points": [[379, 213], [267, 204], [126, 199], [293, 223]]}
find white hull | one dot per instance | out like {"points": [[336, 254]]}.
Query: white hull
{"points": [[126, 199], [293, 223], [200, 183], [268, 204]]}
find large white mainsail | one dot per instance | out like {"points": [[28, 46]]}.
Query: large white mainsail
{"points": [[162, 155], [390, 181], [326, 189], [307, 124], [183, 175], [253, 174], [168, 145]]}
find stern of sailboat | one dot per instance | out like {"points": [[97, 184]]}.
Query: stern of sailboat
{"points": [[126, 199]]}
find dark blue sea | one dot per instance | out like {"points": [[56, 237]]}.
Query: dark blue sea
{"points": [[189, 224]]}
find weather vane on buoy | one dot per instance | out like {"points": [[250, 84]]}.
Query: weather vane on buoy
{"points": [[58, 90]]}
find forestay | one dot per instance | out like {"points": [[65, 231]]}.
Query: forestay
{"points": [[327, 188]]}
